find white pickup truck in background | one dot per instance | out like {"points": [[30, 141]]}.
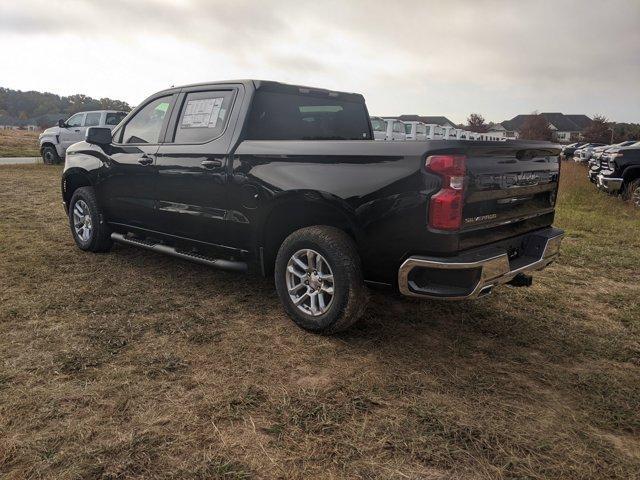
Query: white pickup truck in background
{"points": [[54, 141]]}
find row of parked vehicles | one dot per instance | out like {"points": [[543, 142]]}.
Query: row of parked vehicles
{"points": [[614, 169], [394, 129]]}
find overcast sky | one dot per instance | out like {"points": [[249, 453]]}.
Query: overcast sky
{"points": [[446, 57]]}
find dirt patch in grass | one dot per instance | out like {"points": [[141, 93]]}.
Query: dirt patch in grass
{"points": [[135, 365], [19, 143]]}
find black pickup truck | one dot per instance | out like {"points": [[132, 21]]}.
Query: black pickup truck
{"points": [[620, 172], [287, 181]]}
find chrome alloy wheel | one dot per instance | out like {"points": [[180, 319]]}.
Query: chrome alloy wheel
{"points": [[635, 197], [82, 220], [310, 282]]}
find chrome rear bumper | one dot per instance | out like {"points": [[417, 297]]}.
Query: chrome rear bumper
{"points": [[474, 275]]}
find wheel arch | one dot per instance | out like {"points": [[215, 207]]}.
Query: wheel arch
{"points": [[72, 179], [631, 173], [297, 210]]}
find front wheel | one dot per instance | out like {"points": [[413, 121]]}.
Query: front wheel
{"points": [[50, 155], [631, 192], [319, 280], [89, 231]]}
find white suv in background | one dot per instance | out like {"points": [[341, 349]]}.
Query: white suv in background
{"points": [[379, 128], [415, 131], [395, 129], [54, 141]]}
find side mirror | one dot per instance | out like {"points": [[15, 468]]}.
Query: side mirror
{"points": [[61, 123], [98, 136]]}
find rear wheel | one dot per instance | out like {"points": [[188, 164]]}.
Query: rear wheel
{"points": [[631, 192], [50, 155], [89, 230], [319, 279]]}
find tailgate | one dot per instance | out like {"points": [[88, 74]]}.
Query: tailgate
{"points": [[510, 182]]}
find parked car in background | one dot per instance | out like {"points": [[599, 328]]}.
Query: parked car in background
{"points": [[568, 150], [395, 129], [621, 175], [450, 133], [415, 131], [204, 173], [599, 159], [54, 141], [583, 154], [379, 126], [435, 131]]}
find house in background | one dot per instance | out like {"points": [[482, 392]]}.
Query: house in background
{"points": [[497, 130], [565, 128]]}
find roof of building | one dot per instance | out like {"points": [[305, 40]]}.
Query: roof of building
{"points": [[438, 120], [580, 120], [560, 121]]}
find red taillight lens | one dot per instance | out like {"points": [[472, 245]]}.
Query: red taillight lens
{"points": [[445, 207], [447, 164]]}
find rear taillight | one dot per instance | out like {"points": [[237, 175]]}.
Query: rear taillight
{"points": [[445, 207]]}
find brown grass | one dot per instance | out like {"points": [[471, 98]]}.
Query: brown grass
{"points": [[19, 143], [135, 365]]}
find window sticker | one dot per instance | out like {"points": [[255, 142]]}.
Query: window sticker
{"points": [[202, 113]]}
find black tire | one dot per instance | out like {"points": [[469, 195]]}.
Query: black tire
{"points": [[631, 192], [98, 238], [349, 292], [50, 155]]}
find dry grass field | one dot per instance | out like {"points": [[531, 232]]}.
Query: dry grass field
{"points": [[135, 365], [19, 143]]}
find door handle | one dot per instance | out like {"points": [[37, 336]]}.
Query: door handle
{"points": [[211, 163], [145, 160]]}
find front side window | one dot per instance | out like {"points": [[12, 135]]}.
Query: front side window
{"points": [[145, 126], [203, 116], [76, 120], [114, 118], [92, 120], [306, 116]]}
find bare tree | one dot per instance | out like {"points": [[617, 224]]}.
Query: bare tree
{"points": [[535, 127], [476, 123], [600, 130]]}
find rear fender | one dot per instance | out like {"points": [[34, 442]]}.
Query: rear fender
{"points": [[297, 209]]}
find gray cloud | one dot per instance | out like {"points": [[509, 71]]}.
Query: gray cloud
{"points": [[500, 56]]}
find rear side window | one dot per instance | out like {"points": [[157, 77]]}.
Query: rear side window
{"points": [[145, 126], [92, 120], [203, 116], [114, 118], [378, 125], [398, 127], [289, 116]]}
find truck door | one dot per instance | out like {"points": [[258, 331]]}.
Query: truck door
{"points": [[126, 186], [73, 131], [193, 165]]}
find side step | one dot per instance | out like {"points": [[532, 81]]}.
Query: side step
{"points": [[194, 257]]}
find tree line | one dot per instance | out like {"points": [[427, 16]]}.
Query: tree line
{"points": [[536, 127], [44, 109]]}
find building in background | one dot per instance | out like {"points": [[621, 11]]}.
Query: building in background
{"points": [[565, 128]]}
